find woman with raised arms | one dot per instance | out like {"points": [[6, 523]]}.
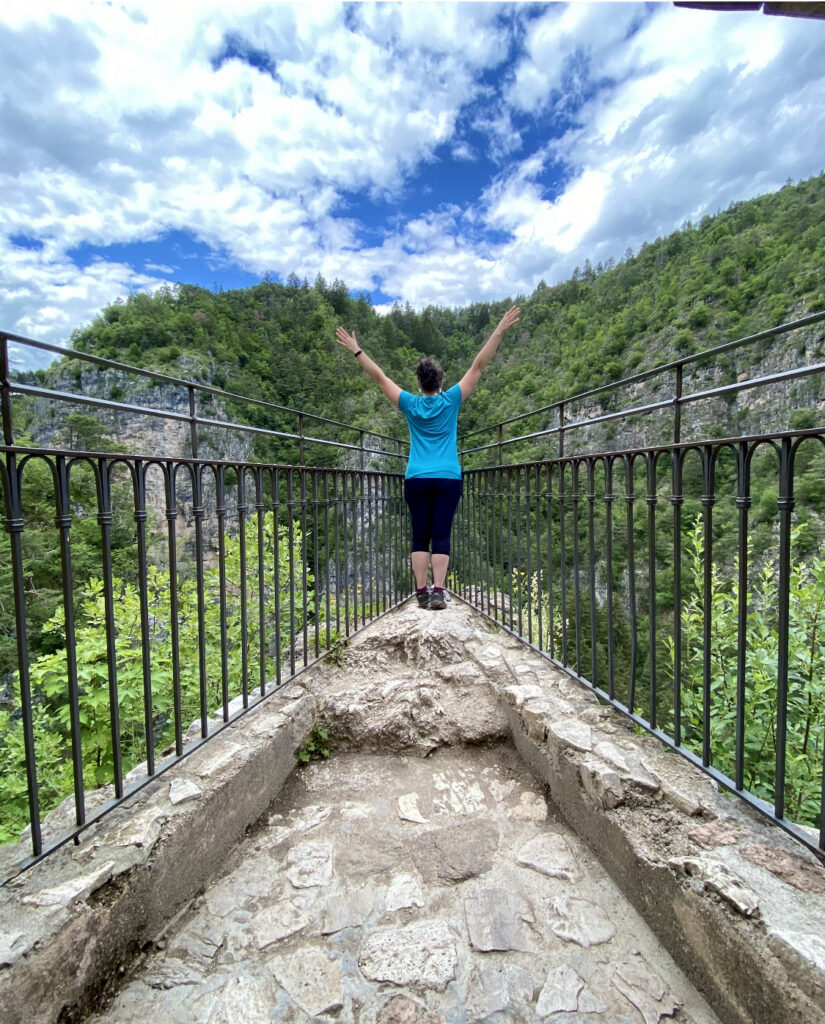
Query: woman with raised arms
{"points": [[432, 485]]}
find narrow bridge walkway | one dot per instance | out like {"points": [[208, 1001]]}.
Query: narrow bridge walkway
{"points": [[485, 842], [388, 887], [401, 889]]}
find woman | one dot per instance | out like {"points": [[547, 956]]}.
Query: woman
{"points": [[432, 485]]}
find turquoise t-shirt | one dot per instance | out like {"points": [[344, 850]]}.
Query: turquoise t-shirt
{"points": [[432, 420]]}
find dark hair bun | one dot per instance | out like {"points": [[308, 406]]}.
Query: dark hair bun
{"points": [[429, 373]]}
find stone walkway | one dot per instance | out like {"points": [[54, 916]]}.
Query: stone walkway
{"points": [[396, 889]]}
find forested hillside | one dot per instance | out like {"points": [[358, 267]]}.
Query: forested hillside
{"points": [[748, 268]]}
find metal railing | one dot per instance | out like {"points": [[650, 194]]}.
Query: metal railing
{"points": [[682, 582], [674, 396], [214, 583], [192, 417]]}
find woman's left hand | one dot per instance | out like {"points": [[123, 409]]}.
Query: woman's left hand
{"points": [[510, 317], [349, 341]]}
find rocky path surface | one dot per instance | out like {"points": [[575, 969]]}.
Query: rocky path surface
{"points": [[400, 889]]}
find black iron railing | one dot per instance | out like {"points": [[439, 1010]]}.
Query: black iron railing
{"points": [[214, 583], [194, 416], [696, 607], [683, 582]]}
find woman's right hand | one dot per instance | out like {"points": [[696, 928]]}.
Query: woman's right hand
{"points": [[349, 341]]}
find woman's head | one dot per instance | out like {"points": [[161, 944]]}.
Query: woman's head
{"points": [[430, 375]]}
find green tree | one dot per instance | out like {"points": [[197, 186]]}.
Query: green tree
{"points": [[283, 622], [806, 676]]}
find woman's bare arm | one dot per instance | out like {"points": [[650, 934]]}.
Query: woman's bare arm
{"points": [[350, 343], [471, 378]]}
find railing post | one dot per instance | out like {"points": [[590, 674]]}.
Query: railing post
{"points": [[193, 422], [561, 430], [5, 392], [14, 526], [141, 516], [786, 504], [301, 439], [609, 498], [743, 503], [171, 517], [242, 509], [197, 516], [104, 518], [677, 500], [275, 482], [63, 522], [708, 500], [220, 513], [652, 500], [677, 406]]}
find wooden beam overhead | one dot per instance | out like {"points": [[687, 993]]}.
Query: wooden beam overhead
{"points": [[786, 10]]}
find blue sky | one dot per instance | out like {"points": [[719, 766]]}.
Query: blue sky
{"points": [[430, 153]]}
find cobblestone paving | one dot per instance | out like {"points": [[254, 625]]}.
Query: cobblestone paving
{"points": [[406, 890]]}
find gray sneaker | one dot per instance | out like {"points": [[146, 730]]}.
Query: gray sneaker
{"points": [[437, 601]]}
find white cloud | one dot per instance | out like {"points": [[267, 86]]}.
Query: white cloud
{"points": [[692, 119], [45, 298], [117, 126], [150, 126], [594, 30]]}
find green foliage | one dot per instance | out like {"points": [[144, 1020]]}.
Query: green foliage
{"points": [[316, 745], [55, 771], [41, 541], [336, 648], [806, 675], [49, 675]]}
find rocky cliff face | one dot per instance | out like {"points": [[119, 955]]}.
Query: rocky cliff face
{"points": [[164, 438], [757, 410]]}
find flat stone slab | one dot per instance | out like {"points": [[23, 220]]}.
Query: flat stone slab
{"points": [[336, 908], [497, 919], [309, 864], [181, 790], [404, 892], [408, 809], [551, 855], [580, 921], [643, 987], [507, 987], [422, 955], [312, 979], [276, 922], [347, 910], [73, 889], [457, 852]]}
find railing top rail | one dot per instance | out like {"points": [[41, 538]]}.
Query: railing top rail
{"points": [[642, 410], [654, 371], [145, 410], [185, 460], [164, 378], [652, 449]]}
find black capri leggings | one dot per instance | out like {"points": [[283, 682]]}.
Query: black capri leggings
{"points": [[432, 502]]}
